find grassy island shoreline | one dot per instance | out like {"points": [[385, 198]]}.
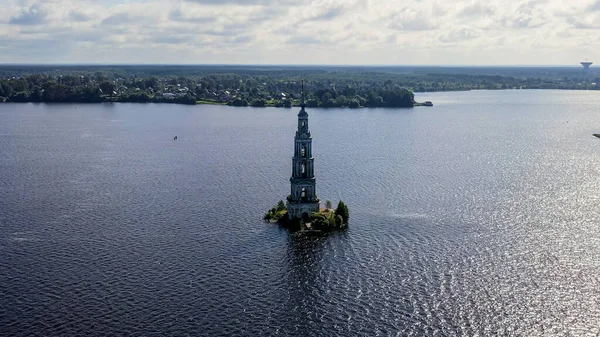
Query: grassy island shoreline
{"points": [[325, 220]]}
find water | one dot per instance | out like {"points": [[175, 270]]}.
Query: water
{"points": [[480, 215]]}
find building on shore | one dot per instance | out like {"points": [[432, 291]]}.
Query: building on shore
{"points": [[303, 200]]}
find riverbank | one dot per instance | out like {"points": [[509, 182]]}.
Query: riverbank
{"points": [[294, 103]]}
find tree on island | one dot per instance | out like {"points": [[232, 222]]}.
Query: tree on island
{"points": [[326, 221], [342, 210]]}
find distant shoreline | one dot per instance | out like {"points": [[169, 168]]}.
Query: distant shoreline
{"points": [[279, 86], [295, 104]]}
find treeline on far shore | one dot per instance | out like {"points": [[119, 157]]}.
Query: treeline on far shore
{"points": [[238, 86], [230, 89]]}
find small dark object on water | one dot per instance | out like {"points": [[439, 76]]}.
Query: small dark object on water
{"points": [[597, 135], [175, 138]]}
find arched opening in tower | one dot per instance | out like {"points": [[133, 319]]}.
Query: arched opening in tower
{"points": [[303, 194], [305, 217]]}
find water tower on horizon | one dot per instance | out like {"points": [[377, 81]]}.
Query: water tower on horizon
{"points": [[586, 65]]}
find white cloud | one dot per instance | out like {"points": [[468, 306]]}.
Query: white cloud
{"points": [[477, 9], [298, 32], [459, 34]]}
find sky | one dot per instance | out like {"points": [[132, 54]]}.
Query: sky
{"points": [[341, 32]]}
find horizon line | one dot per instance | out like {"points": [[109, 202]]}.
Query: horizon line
{"points": [[578, 65]]}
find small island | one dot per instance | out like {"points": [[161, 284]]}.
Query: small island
{"points": [[303, 209], [325, 220]]}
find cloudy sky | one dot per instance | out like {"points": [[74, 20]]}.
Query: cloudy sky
{"points": [[398, 32]]}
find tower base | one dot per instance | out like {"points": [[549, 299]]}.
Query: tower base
{"points": [[302, 210]]}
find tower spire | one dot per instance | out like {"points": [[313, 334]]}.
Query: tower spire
{"points": [[302, 101]]}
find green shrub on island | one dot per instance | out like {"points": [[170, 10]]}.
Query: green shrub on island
{"points": [[319, 221], [342, 210], [276, 213], [328, 220], [325, 221], [328, 204]]}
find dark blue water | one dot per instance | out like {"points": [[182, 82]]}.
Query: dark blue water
{"points": [[478, 216]]}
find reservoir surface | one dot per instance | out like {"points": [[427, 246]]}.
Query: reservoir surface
{"points": [[477, 216]]}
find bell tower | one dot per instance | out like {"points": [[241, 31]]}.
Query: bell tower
{"points": [[303, 200]]}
